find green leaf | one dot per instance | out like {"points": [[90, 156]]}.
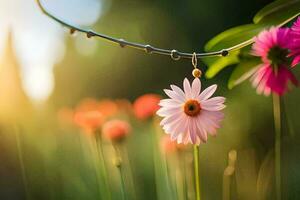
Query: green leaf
{"points": [[233, 36], [278, 13], [275, 14], [221, 63], [243, 71]]}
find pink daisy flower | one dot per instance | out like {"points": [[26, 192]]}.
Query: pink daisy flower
{"points": [[273, 75], [189, 115], [295, 44]]}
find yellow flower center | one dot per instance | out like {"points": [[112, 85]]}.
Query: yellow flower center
{"points": [[192, 107]]}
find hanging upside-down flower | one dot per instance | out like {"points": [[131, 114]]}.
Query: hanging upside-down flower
{"points": [[273, 75], [295, 44], [190, 115], [146, 105], [107, 107], [87, 116], [116, 130], [89, 121]]}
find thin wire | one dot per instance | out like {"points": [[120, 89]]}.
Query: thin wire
{"points": [[175, 55]]}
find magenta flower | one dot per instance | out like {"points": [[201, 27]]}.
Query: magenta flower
{"points": [[295, 44], [190, 115], [273, 75]]}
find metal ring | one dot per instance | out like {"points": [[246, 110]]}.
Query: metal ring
{"points": [[175, 55], [194, 60], [148, 48], [122, 43]]}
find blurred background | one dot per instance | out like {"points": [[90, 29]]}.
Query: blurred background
{"points": [[45, 73]]}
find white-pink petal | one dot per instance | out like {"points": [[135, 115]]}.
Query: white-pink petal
{"points": [[177, 126], [174, 95], [207, 93], [191, 129], [207, 127], [211, 118], [202, 132], [212, 107], [187, 88], [165, 111], [178, 91], [183, 127], [196, 88], [186, 138], [171, 118], [169, 103], [214, 100]]}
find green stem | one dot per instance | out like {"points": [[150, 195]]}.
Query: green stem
{"points": [[130, 177], [171, 183], [103, 167], [122, 182], [95, 158], [196, 167], [22, 165], [183, 174], [158, 185], [119, 165], [277, 124]]}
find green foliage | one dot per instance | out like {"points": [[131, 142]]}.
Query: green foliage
{"points": [[242, 71], [233, 36], [277, 13], [221, 63]]}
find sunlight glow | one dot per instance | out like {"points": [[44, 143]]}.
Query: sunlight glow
{"points": [[38, 81], [38, 41]]}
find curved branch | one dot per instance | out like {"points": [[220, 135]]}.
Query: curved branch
{"points": [[175, 55]]}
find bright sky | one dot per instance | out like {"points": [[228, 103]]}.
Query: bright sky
{"points": [[38, 41]]}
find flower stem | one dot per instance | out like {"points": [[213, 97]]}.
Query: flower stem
{"points": [[122, 182], [159, 170], [119, 164], [22, 165], [100, 153], [183, 174], [171, 182], [95, 159], [130, 177], [277, 124], [196, 167]]}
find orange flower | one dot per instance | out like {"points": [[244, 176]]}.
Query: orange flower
{"points": [[88, 120], [116, 130], [87, 116], [87, 104], [124, 105], [107, 107], [146, 106]]}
